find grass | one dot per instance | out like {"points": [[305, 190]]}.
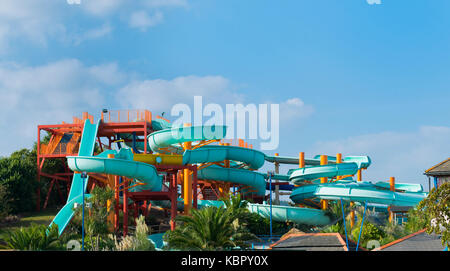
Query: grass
{"points": [[42, 217]]}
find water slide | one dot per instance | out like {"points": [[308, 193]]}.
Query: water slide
{"points": [[243, 162], [253, 159], [357, 192], [87, 145], [121, 165], [308, 178]]}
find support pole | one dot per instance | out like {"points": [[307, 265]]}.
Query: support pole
{"points": [[116, 199], [173, 201], [83, 178], [187, 182], [345, 226], [392, 188], [194, 187], [323, 161], [277, 187], [270, 201], [301, 160], [358, 179], [352, 216], [125, 207], [38, 189], [362, 224]]}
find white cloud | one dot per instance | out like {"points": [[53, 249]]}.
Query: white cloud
{"points": [[161, 95], [141, 20], [38, 21], [295, 108], [94, 33], [402, 155], [101, 7], [33, 20], [57, 91], [49, 94], [108, 7]]}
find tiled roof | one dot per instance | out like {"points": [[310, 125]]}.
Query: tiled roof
{"points": [[441, 169], [311, 242], [419, 241]]}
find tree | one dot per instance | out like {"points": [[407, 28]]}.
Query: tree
{"points": [[18, 176], [435, 208], [4, 203], [210, 228]]}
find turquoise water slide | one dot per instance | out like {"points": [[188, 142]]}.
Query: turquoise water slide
{"points": [[254, 180], [121, 165], [87, 145], [300, 175], [244, 158], [356, 191], [171, 138]]}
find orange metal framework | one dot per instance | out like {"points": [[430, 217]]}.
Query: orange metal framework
{"points": [[136, 121]]}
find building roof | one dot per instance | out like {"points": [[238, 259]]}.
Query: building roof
{"points": [[418, 241], [311, 242], [441, 169]]}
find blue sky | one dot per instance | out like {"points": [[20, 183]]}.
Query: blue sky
{"points": [[371, 79]]}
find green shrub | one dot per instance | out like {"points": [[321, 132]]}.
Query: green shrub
{"points": [[210, 228], [369, 232], [35, 237], [138, 242]]}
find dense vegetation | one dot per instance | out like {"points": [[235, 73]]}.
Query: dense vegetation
{"points": [[213, 228], [18, 182], [435, 212], [382, 232]]}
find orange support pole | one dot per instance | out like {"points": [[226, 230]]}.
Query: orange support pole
{"points": [[352, 216], [301, 160], [187, 182], [338, 161], [392, 184], [392, 188], [323, 161]]}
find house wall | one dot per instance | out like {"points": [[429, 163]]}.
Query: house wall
{"points": [[443, 179]]}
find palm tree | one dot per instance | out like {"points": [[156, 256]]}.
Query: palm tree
{"points": [[210, 228], [237, 207]]}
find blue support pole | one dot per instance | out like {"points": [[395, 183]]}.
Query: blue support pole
{"points": [[362, 224], [435, 182], [83, 178], [270, 200], [345, 226], [134, 143]]}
